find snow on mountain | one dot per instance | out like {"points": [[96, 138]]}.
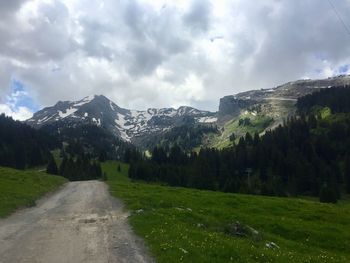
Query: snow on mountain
{"points": [[209, 119], [127, 124]]}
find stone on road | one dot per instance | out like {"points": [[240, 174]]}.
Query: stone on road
{"points": [[79, 223]]}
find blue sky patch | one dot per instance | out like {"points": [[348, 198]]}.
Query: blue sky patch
{"points": [[19, 97], [344, 69]]}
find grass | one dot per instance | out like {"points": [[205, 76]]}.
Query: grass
{"points": [[187, 225], [21, 188], [258, 123], [272, 113]]}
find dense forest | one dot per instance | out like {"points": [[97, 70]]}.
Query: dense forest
{"points": [[78, 168], [22, 146], [336, 98], [308, 155], [96, 141], [185, 136]]}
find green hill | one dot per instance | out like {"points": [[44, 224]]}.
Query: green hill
{"points": [[187, 225], [21, 188]]}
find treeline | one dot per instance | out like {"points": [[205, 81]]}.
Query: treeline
{"points": [[91, 139], [307, 156], [336, 98], [22, 146], [75, 168], [185, 136]]}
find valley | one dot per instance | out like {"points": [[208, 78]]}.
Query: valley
{"points": [[174, 131], [264, 179]]}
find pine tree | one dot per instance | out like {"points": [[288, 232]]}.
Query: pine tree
{"points": [[63, 165], [347, 175], [51, 167], [327, 194]]}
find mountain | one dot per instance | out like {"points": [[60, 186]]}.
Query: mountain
{"points": [[257, 111], [130, 125], [254, 111], [231, 106]]}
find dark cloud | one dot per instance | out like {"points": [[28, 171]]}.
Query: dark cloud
{"points": [[199, 15], [8, 7], [39, 39]]}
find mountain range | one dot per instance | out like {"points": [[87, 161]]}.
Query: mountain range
{"points": [[126, 124], [269, 106]]}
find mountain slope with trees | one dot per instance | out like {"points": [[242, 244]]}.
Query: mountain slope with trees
{"points": [[22, 146], [94, 140], [308, 155]]}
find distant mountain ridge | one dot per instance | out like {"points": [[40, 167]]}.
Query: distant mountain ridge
{"points": [[124, 123]]}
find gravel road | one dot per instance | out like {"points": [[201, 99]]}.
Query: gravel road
{"points": [[79, 223]]}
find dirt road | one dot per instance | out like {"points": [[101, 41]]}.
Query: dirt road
{"points": [[79, 223]]}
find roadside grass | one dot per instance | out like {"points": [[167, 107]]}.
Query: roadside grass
{"points": [[188, 225], [21, 188]]}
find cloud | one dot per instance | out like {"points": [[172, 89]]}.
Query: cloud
{"points": [[7, 8], [18, 104], [198, 16], [21, 114], [160, 53]]}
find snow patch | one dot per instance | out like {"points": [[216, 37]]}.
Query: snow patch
{"points": [[124, 136], [120, 121], [68, 112], [46, 118], [98, 121], [84, 101], [207, 119], [111, 105]]}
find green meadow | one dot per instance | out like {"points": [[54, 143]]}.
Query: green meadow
{"points": [[188, 225], [21, 188]]}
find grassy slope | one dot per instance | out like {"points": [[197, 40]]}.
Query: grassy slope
{"points": [[258, 125], [272, 113], [188, 225], [22, 188]]}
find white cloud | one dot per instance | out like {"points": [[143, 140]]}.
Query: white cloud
{"points": [[21, 114], [156, 53]]}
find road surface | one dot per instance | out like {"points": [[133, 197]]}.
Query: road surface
{"points": [[79, 223]]}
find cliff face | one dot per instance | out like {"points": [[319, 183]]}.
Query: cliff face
{"points": [[231, 107]]}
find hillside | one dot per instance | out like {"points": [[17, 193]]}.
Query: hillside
{"points": [[199, 226], [19, 189], [308, 155], [273, 104]]}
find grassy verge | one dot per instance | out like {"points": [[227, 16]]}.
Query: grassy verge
{"points": [[187, 225], [22, 188]]}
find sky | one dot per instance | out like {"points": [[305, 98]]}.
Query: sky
{"points": [[160, 53]]}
